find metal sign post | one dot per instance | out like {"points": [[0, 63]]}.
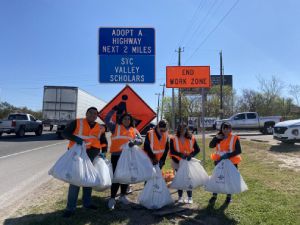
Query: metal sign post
{"points": [[202, 124]]}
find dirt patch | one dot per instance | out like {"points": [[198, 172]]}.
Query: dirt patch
{"points": [[45, 197]]}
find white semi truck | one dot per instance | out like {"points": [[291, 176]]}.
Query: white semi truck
{"points": [[62, 104]]}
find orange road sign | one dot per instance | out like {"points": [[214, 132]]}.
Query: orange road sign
{"points": [[188, 77], [129, 101]]}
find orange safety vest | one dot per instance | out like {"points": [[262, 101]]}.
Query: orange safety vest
{"points": [[225, 146], [157, 146], [120, 137], [90, 136], [186, 148]]}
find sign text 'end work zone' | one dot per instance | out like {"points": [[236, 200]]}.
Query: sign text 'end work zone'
{"points": [[188, 77], [126, 55]]}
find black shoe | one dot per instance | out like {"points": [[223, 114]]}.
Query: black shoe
{"points": [[93, 207], [212, 200], [68, 213], [228, 200]]}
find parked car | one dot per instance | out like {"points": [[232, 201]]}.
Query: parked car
{"points": [[287, 131], [251, 120], [20, 123]]}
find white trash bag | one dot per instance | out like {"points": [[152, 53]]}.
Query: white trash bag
{"points": [[189, 175], [155, 194], [75, 167], [133, 166], [105, 173], [226, 179]]}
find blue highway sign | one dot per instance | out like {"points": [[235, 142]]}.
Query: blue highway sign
{"points": [[126, 55]]}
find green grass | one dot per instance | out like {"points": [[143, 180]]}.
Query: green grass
{"points": [[273, 198]]}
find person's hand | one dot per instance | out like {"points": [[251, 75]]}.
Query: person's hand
{"points": [[131, 144], [220, 136], [225, 156], [102, 155], [189, 157], [154, 161], [161, 164], [78, 140], [183, 156]]}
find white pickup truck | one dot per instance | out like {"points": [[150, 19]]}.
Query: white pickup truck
{"points": [[287, 131], [251, 120], [20, 123]]}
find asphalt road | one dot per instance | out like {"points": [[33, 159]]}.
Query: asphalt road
{"points": [[24, 164]]}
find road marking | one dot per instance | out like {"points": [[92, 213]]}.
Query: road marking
{"points": [[31, 150]]}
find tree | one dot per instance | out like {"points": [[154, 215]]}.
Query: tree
{"points": [[294, 91]]}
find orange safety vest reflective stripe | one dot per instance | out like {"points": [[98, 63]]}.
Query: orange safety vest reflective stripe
{"points": [[120, 137], [186, 148], [91, 136], [157, 146], [225, 146]]}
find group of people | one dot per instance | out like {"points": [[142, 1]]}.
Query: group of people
{"points": [[158, 144]]}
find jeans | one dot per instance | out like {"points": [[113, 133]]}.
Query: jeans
{"points": [[73, 196], [86, 191]]}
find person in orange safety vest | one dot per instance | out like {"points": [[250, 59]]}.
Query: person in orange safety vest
{"points": [[183, 146], [156, 143], [123, 132], [93, 134], [227, 147]]}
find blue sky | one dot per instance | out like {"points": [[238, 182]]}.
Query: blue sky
{"points": [[54, 42]]}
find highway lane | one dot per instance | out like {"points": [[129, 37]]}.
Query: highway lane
{"points": [[24, 164]]}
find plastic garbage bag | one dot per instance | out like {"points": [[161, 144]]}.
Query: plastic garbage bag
{"points": [[155, 194], [226, 179], [75, 167], [189, 175], [133, 166], [105, 173]]}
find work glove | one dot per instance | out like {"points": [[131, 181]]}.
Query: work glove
{"points": [[225, 156], [131, 144], [154, 162], [183, 156], [188, 158], [161, 164], [78, 140], [102, 155]]}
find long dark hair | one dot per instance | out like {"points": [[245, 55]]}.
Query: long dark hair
{"points": [[187, 133], [131, 119], [224, 125]]}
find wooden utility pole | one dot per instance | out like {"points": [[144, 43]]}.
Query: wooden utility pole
{"points": [[221, 86], [162, 101], [179, 92], [157, 115]]}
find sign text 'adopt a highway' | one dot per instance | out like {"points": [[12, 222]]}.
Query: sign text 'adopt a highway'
{"points": [[126, 55]]}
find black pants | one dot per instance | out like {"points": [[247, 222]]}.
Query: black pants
{"points": [[115, 186], [228, 195]]}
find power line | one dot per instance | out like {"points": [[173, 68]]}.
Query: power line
{"points": [[218, 24], [200, 6], [202, 21]]}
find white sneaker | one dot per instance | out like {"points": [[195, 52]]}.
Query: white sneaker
{"points": [[111, 203], [189, 200], [180, 200], [123, 199]]}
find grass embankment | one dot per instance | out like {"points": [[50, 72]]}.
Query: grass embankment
{"points": [[273, 198]]}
